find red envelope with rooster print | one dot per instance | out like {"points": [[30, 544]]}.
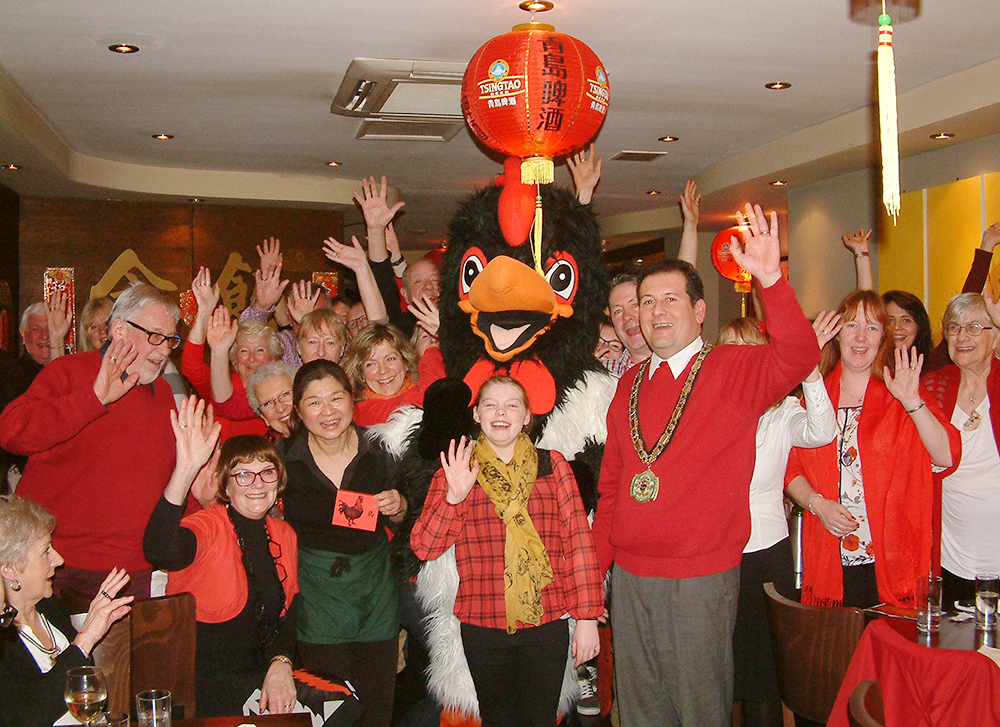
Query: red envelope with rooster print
{"points": [[355, 510]]}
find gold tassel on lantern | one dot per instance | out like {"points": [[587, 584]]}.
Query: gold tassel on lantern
{"points": [[538, 170], [888, 127], [536, 235]]}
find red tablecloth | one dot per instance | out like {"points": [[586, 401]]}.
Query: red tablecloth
{"points": [[922, 686]]}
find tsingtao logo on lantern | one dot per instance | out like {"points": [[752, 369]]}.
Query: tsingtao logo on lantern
{"points": [[500, 89], [598, 91]]}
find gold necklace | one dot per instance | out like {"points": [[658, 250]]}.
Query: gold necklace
{"points": [[646, 485]]}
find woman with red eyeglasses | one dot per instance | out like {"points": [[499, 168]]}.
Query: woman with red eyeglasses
{"points": [[240, 564]]}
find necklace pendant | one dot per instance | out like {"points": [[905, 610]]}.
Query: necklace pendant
{"points": [[645, 486]]}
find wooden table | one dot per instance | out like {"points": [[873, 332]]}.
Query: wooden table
{"points": [[929, 680], [265, 720]]}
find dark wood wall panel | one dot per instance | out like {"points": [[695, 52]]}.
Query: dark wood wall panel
{"points": [[169, 242], [9, 226]]}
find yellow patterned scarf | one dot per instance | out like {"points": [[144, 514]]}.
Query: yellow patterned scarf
{"points": [[526, 568]]}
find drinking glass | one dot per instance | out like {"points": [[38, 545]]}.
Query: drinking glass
{"points": [[86, 693], [119, 719], [152, 708], [929, 604], [987, 588]]}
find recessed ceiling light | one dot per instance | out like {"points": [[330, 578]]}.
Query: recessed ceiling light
{"points": [[536, 6], [943, 136], [123, 48], [10, 167], [653, 192], [163, 137], [195, 200], [638, 261], [668, 139], [333, 164], [778, 85], [778, 183]]}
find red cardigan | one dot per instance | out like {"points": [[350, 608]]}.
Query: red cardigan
{"points": [[377, 410], [216, 577], [99, 469], [234, 414], [700, 521], [899, 498]]}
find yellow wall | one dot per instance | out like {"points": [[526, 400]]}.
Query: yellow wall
{"points": [[954, 227]]}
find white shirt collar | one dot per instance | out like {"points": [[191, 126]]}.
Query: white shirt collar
{"points": [[679, 361]]}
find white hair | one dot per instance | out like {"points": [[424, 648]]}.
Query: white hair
{"points": [[35, 309], [140, 294]]}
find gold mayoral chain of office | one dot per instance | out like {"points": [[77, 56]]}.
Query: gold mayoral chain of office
{"points": [[646, 485]]}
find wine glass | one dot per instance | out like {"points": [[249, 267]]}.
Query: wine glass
{"points": [[86, 693]]}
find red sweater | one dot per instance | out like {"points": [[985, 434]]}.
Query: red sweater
{"points": [[368, 412], [478, 534], [700, 521], [234, 414], [99, 469]]}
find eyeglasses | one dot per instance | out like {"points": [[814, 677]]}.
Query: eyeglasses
{"points": [[283, 398], [7, 615], [245, 479], [357, 323], [614, 346], [973, 329], [156, 339]]}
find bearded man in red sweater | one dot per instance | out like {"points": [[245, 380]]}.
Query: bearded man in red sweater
{"points": [[96, 430], [673, 514]]}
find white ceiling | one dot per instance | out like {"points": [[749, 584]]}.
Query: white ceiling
{"points": [[245, 87]]}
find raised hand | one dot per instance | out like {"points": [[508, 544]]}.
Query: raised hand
{"points": [[270, 286], [690, 203], [195, 432], [392, 244], [760, 254], [104, 610], [222, 330], [904, 385], [351, 256], [59, 317], [460, 470], [991, 237], [270, 255], [374, 205], [585, 167], [205, 293], [302, 300], [992, 306], [858, 242], [425, 310], [827, 325], [112, 383]]}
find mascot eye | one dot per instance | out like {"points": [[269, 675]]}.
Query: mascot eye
{"points": [[562, 276], [472, 265]]}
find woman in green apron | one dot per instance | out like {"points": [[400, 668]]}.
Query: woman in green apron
{"points": [[341, 497]]}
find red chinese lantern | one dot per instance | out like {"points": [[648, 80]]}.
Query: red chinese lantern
{"points": [[722, 259], [533, 94]]}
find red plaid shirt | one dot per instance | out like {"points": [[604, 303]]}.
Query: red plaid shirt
{"points": [[478, 535]]}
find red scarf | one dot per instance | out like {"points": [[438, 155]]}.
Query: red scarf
{"points": [[899, 498]]}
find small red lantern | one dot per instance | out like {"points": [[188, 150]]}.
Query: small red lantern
{"points": [[535, 94], [722, 259]]}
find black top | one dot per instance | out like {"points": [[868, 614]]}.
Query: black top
{"points": [[386, 281], [228, 664], [310, 497], [16, 375], [28, 697]]}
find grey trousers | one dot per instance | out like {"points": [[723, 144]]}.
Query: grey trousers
{"points": [[673, 641]]}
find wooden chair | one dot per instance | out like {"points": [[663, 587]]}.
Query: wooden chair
{"points": [[812, 649], [163, 641], [112, 654], [865, 708]]}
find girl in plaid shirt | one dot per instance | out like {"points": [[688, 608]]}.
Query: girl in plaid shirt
{"points": [[525, 559]]}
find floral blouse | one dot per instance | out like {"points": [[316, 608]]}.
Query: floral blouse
{"points": [[855, 548]]}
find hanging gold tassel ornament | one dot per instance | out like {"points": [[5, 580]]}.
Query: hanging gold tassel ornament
{"points": [[536, 235], [888, 125]]}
